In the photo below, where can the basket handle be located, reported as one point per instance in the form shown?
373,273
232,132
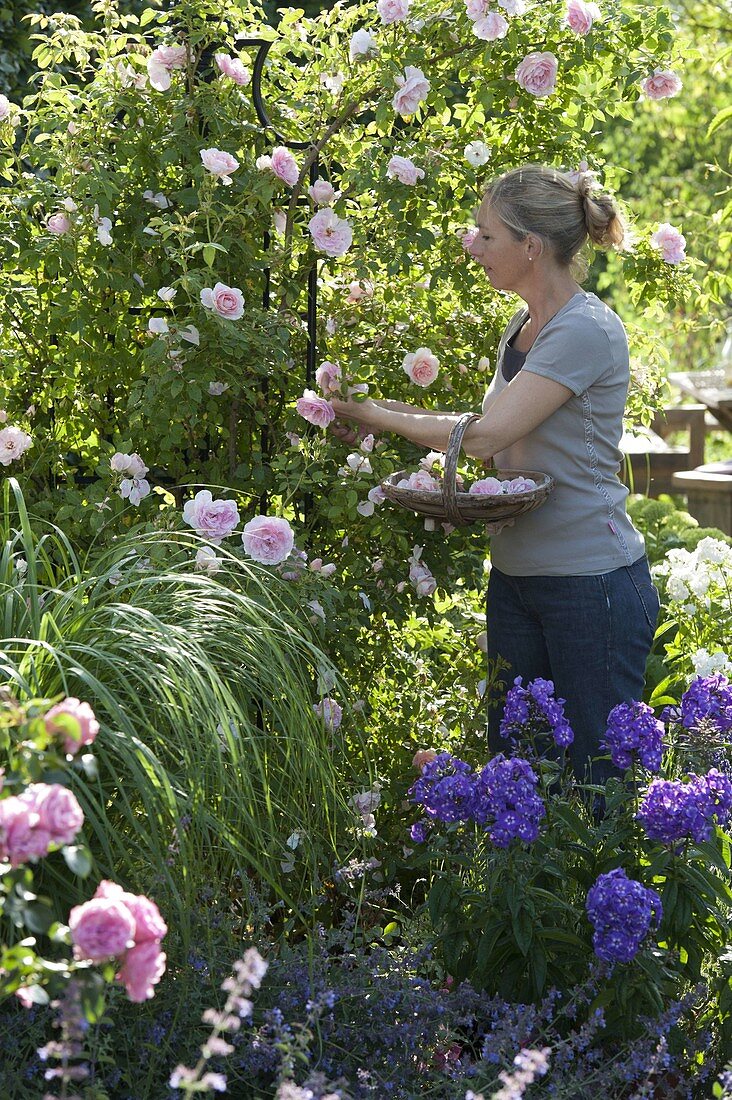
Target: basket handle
449,485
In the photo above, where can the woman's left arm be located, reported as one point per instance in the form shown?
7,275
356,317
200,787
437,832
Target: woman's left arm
524,404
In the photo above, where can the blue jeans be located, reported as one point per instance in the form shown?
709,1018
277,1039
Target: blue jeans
590,635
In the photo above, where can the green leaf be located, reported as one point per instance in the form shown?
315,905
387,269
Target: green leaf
719,119
92,998
78,859
523,930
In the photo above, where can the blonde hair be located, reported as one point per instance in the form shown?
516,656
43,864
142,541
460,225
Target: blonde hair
561,210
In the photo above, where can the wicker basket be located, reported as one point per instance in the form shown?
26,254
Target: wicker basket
461,509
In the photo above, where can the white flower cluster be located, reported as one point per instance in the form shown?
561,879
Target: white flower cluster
692,575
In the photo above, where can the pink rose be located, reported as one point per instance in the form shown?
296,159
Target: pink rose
422,757
376,495
219,164
315,409
580,16
161,63
404,170
227,301
420,479
60,814
22,834
519,485
358,289
422,580
330,711
82,719
285,166
512,7
129,465
412,89
328,377
421,366
268,539
663,84
491,27
149,924
331,234
58,224
142,967
537,73
468,238
393,11
322,193
476,9
212,519
489,486
233,67
101,929
13,444
670,242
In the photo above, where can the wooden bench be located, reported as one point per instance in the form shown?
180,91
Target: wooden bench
651,463
708,492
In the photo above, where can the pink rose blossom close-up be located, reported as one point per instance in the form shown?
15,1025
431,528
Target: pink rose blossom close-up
234,68
268,539
331,234
58,224
322,193
219,164
226,301
161,63
670,242
330,711
404,170
328,377
421,366
211,519
393,11
580,16
663,84
422,580
58,808
315,409
490,27
412,89
134,489
487,486
79,712
513,7
13,444
362,43
519,485
537,73
101,929
129,465
476,9
149,924
468,237
285,166
142,967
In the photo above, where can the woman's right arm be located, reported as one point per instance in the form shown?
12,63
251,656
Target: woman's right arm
401,406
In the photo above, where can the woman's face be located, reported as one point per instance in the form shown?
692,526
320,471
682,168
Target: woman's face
504,259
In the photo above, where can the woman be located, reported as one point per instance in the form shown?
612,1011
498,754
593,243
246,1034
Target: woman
570,596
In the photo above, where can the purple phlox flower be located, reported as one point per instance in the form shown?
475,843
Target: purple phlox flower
621,912
634,731
505,801
708,698
534,709
672,810
420,831
445,789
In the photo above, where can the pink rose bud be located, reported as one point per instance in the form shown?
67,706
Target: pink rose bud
316,565
537,73
268,539
285,166
468,237
328,377
58,224
315,409
78,726
322,193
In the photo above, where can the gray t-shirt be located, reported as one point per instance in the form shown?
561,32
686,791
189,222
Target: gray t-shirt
582,529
